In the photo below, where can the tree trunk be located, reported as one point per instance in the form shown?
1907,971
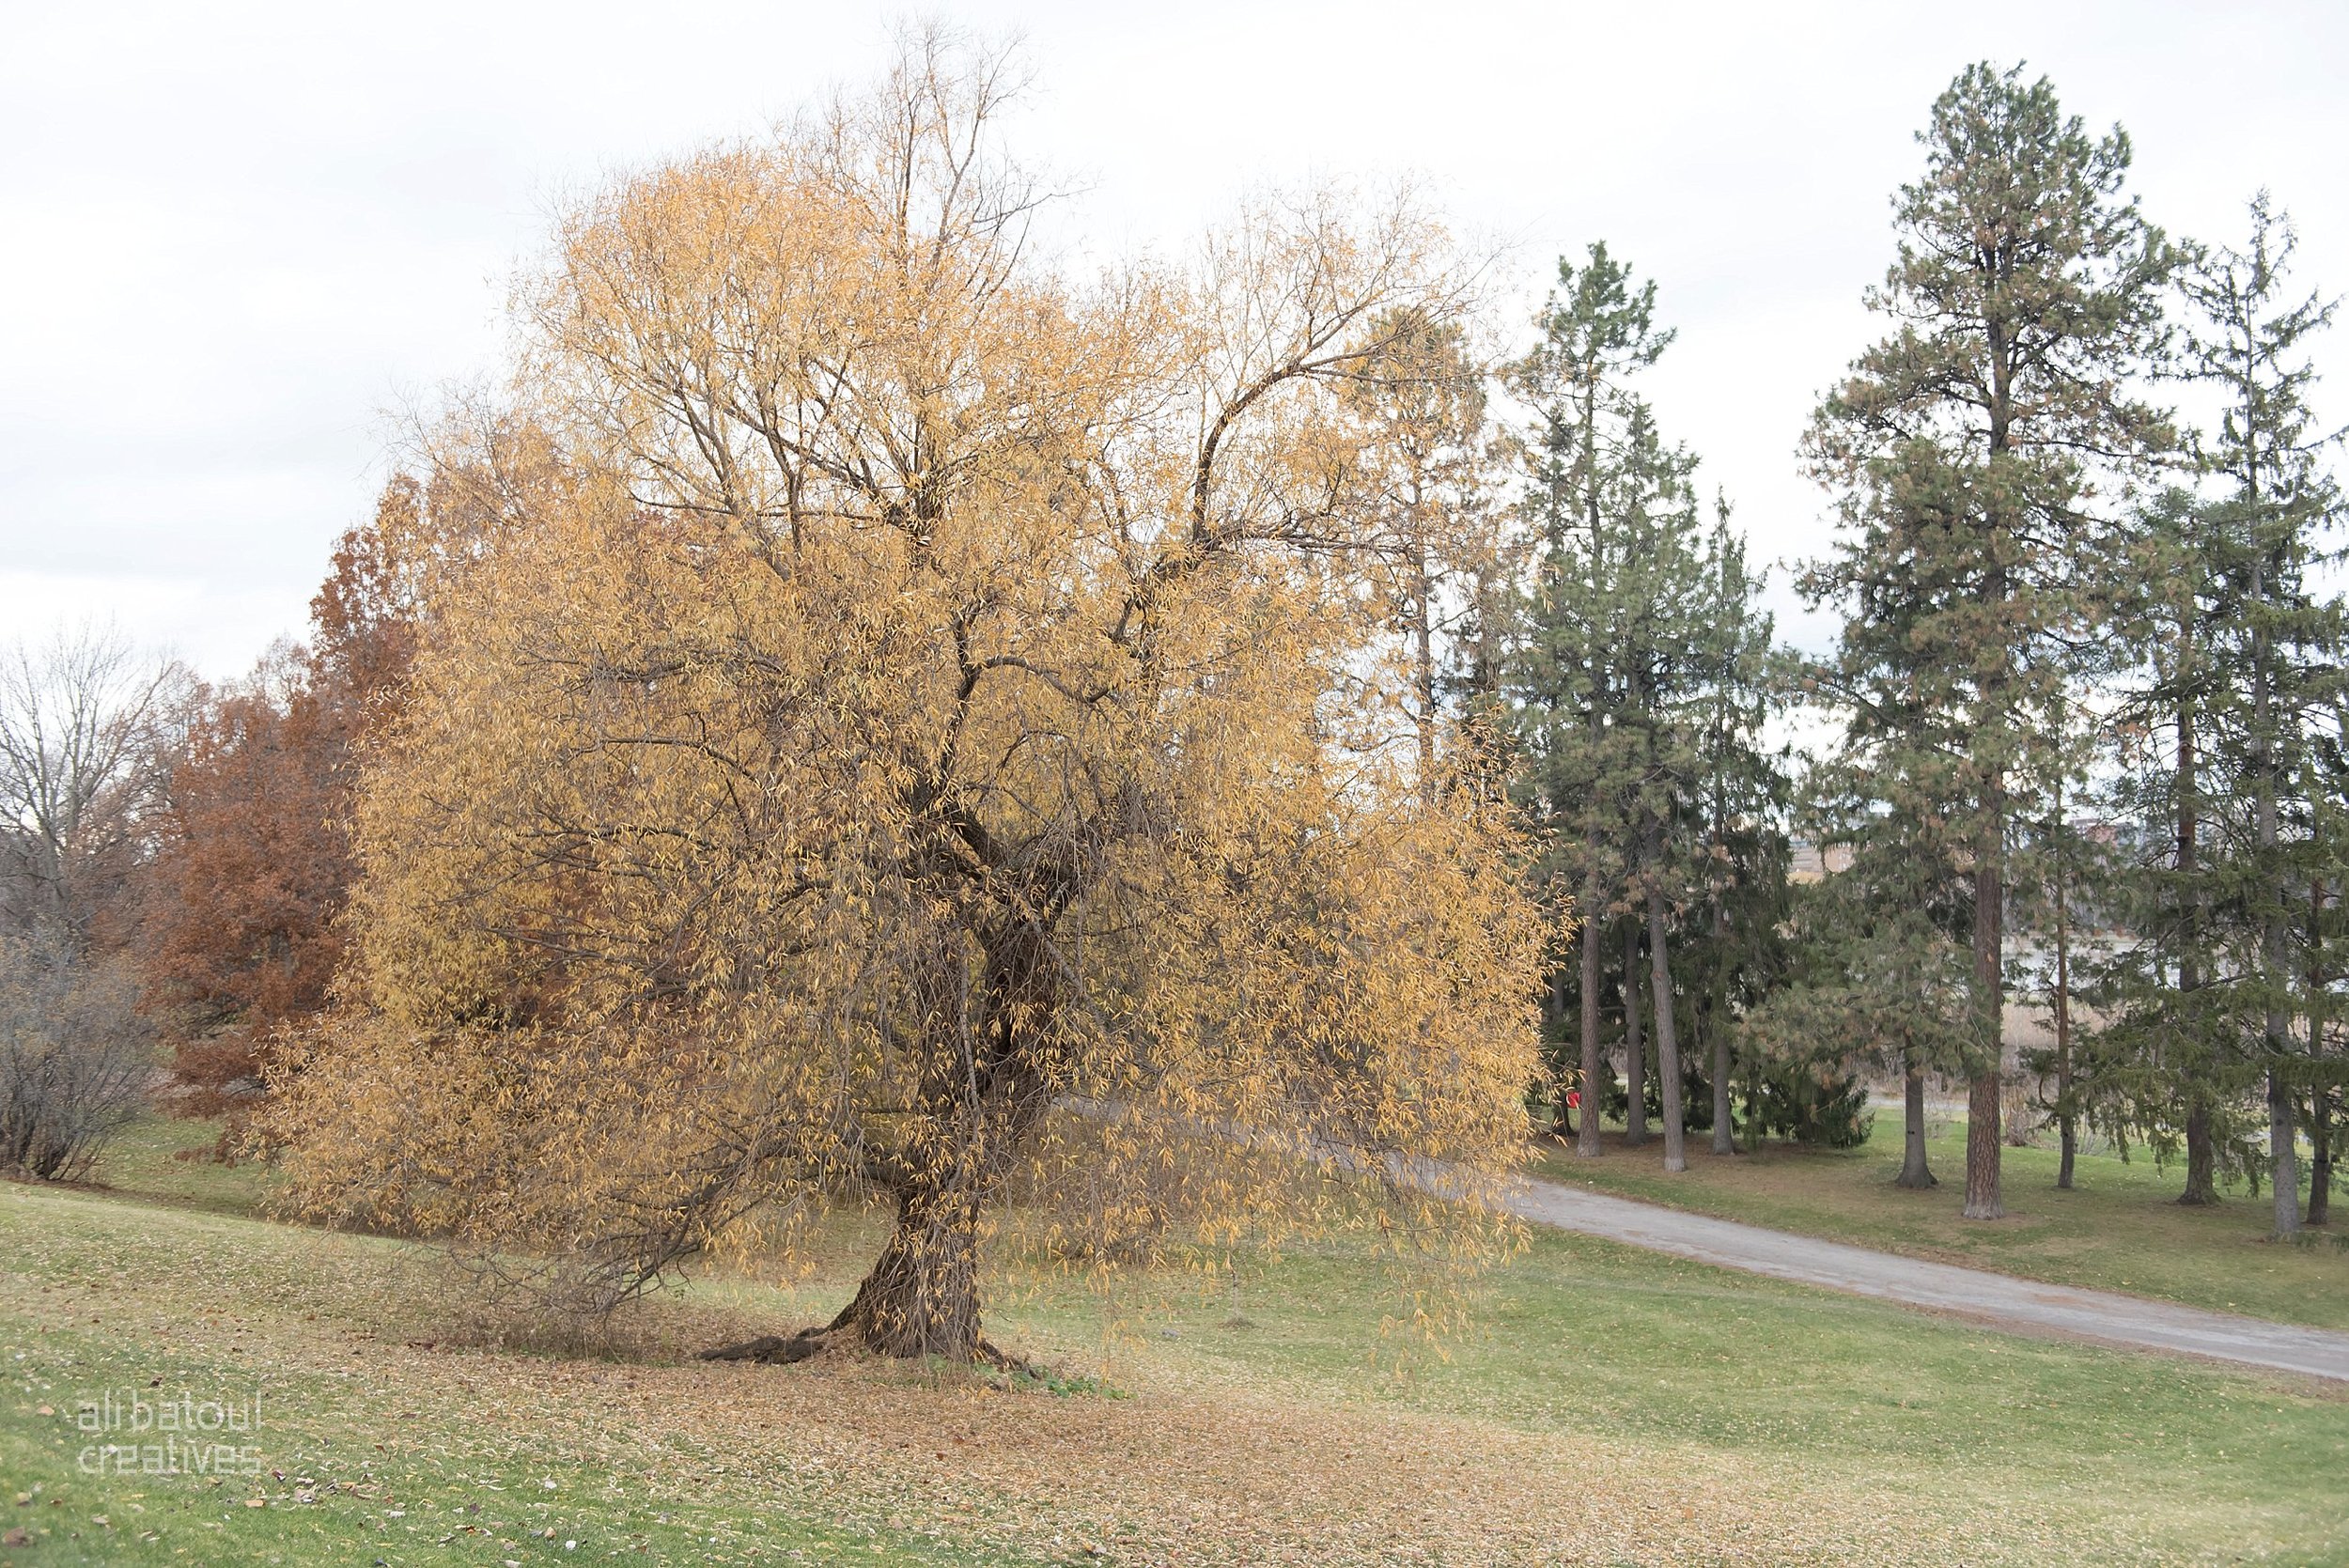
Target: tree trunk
1717,1020
2320,1090
2067,1120
2283,1151
1634,1049
1562,1117
1981,1096
2202,1153
922,1296
982,1097
2202,1157
2283,1155
1915,1171
2321,1163
1669,1084
1753,1102
1587,1143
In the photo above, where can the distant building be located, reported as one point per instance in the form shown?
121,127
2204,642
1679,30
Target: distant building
1808,862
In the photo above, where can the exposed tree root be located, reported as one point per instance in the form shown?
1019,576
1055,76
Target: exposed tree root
783,1350
1001,1359
771,1349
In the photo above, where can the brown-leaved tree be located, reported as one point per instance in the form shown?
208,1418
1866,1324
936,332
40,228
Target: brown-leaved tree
933,728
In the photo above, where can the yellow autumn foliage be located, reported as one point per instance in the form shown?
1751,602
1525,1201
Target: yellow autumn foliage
935,733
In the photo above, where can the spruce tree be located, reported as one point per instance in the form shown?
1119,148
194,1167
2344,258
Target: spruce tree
2170,1063
1973,452
1606,657
2277,644
1733,949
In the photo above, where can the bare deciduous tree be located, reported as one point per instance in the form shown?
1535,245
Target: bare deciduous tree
84,722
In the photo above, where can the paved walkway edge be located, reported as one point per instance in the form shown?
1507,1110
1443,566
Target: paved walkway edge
2000,1299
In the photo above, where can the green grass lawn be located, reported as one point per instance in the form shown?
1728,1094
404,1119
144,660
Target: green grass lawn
1608,1406
2118,1229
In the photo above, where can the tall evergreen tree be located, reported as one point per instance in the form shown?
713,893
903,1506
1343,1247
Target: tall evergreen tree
1970,450
1607,661
1737,807
2278,646
2170,1062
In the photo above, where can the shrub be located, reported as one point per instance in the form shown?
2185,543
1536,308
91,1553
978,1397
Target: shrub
74,1057
1827,1111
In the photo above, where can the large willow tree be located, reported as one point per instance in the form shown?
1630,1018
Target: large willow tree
928,729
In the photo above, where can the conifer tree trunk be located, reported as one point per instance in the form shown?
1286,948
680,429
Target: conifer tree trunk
2320,1162
1981,1096
1725,1137
1562,1117
1587,1143
2067,1120
2202,1157
2202,1162
1753,1102
2283,1151
1914,1171
1669,1084
2320,1093
1634,1048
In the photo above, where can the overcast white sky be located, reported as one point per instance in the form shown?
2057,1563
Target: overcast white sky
234,236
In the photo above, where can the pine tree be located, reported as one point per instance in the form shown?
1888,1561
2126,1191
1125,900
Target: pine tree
1970,450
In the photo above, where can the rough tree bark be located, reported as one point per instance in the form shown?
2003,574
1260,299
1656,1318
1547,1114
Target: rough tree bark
981,1098
2284,1153
2320,1093
1982,1095
1915,1171
1717,1021
1587,1143
2201,1162
1669,1084
2067,1121
2320,1162
1634,1049
1561,1116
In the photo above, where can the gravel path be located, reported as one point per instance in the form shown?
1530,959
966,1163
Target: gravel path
2000,1299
